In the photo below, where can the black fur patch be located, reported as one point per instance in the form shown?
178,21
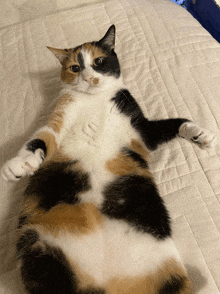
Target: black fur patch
37,144
159,131
47,271
22,221
76,48
91,291
57,183
110,66
136,157
81,61
29,238
174,286
153,133
128,105
136,200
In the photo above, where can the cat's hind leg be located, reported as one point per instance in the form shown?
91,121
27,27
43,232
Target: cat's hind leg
44,269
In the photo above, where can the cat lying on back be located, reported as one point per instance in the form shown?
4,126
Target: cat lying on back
93,220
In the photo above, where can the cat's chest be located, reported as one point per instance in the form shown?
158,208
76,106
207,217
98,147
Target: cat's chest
91,121
98,128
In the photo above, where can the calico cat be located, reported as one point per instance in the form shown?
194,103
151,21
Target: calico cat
93,220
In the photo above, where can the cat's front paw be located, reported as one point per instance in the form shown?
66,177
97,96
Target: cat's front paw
18,167
204,138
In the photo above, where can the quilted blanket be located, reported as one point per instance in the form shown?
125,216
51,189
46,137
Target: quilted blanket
170,64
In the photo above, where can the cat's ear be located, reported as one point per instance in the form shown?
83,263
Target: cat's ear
109,38
61,54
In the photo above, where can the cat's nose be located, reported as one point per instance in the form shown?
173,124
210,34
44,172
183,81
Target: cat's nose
91,80
88,79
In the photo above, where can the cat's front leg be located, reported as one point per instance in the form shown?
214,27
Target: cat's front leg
44,142
158,132
18,167
202,137
31,155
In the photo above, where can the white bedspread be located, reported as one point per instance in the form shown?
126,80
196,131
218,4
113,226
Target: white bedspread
172,67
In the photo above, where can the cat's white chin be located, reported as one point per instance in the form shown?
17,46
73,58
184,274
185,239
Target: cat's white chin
88,89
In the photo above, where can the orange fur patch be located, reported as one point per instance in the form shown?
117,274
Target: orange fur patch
95,51
61,54
152,283
123,164
67,76
30,207
77,219
56,119
60,156
138,148
130,285
50,142
172,268
95,81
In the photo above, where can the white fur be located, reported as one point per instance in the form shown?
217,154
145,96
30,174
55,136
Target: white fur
114,250
19,167
202,137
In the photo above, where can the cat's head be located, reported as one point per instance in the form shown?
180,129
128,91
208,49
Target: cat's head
91,67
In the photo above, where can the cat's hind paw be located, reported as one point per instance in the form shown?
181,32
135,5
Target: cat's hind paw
18,167
203,138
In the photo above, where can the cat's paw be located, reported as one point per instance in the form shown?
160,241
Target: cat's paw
204,138
18,167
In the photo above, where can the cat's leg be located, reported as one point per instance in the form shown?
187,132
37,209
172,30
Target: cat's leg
43,144
157,132
31,155
44,268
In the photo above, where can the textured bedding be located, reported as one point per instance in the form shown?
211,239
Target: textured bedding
170,64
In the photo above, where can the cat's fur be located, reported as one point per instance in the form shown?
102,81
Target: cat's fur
93,220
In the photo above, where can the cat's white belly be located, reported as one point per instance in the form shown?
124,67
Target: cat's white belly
114,250
98,135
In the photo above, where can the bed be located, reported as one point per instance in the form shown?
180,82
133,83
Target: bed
170,63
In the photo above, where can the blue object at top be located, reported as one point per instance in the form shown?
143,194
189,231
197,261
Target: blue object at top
207,12
180,2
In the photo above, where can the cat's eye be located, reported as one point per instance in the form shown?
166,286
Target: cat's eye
75,68
98,61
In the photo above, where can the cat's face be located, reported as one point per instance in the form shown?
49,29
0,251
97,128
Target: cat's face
91,67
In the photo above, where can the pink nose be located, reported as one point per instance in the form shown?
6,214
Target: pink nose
87,79
91,80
